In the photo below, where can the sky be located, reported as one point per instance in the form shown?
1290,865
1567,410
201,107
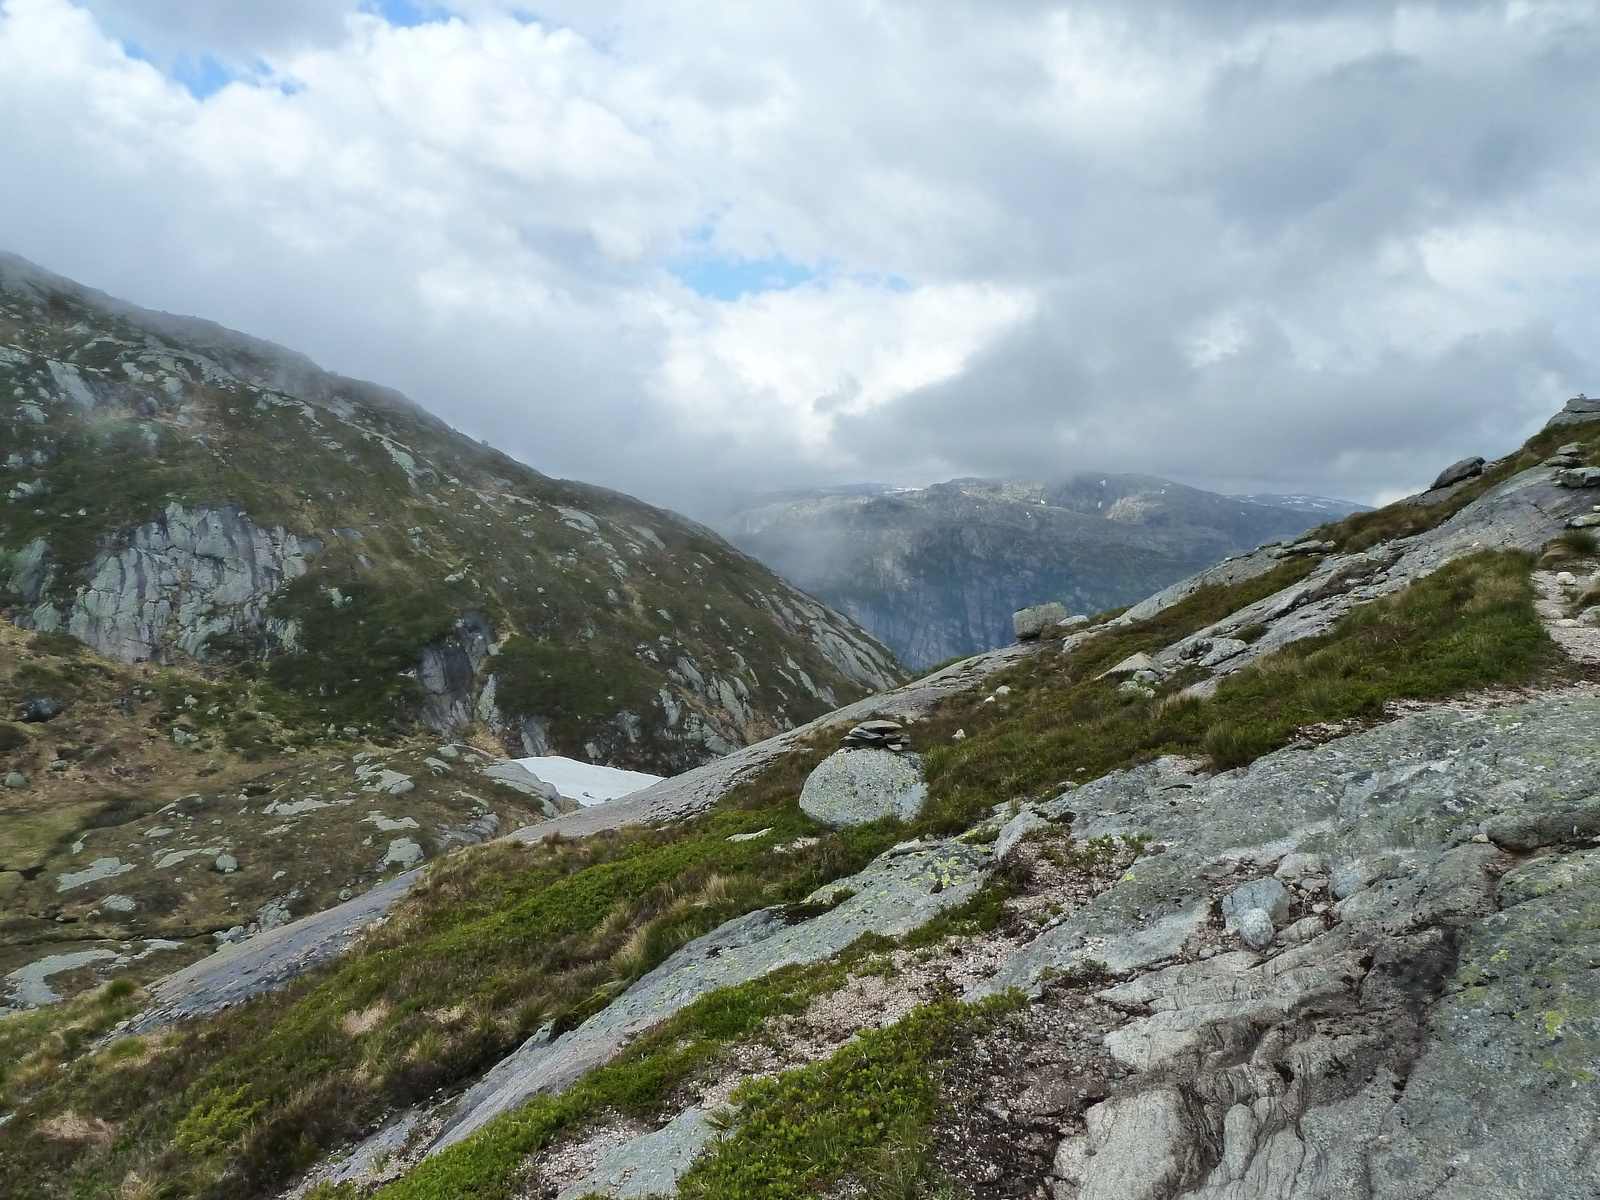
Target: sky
688,247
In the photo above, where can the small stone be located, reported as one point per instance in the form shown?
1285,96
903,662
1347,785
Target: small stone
36,709
58,764
958,735
345,893
211,768
226,864
1255,928
16,779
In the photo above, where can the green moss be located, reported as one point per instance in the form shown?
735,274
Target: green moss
860,1113
503,939
1467,626
578,690
355,659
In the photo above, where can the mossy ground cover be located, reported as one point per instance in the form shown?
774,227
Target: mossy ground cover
494,944
1470,625
1360,530
637,1083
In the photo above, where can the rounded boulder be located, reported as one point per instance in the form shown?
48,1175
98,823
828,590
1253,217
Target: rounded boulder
854,787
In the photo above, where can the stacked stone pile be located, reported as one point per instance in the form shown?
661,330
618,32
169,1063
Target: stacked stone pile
876,735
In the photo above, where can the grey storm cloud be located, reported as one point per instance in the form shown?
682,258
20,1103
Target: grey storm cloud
675,247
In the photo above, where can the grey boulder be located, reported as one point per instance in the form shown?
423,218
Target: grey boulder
854,787
36,709
1029,623
1579,477
1268,895
1457,471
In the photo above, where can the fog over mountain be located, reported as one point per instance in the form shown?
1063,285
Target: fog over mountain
936,572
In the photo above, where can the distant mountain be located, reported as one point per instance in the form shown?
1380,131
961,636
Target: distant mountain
1323,506
936,572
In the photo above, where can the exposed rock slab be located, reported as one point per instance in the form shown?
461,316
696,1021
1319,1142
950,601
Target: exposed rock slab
1431,1033
268,960
188,575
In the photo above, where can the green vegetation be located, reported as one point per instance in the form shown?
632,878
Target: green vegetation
1363,529
578,690
486,1165
34,1045
1470,625
492,944
356,651
860,1113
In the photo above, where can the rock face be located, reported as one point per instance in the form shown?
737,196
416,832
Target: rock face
1425,1035
937,572
853,787
176,581
1579,409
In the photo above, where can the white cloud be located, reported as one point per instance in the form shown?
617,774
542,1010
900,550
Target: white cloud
786,366
1320,246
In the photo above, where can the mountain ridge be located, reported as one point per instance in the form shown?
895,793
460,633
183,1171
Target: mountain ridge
936,572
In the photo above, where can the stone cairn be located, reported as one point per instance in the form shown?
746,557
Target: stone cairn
875,735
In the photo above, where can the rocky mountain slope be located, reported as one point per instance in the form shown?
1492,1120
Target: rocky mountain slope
179,493
935,573
266,629
1284,882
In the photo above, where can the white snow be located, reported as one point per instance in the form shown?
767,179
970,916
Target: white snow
585,782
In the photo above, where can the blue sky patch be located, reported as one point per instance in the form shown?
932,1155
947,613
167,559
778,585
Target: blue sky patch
730,278
201,74
406,13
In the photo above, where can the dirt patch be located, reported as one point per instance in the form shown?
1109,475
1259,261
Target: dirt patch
1016,1089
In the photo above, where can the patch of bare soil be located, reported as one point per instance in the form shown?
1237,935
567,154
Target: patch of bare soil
1019,1087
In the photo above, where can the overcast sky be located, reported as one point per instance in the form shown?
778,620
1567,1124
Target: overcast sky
678,245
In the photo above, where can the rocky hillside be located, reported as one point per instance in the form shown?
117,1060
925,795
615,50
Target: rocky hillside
1283,882
180,494
935,573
